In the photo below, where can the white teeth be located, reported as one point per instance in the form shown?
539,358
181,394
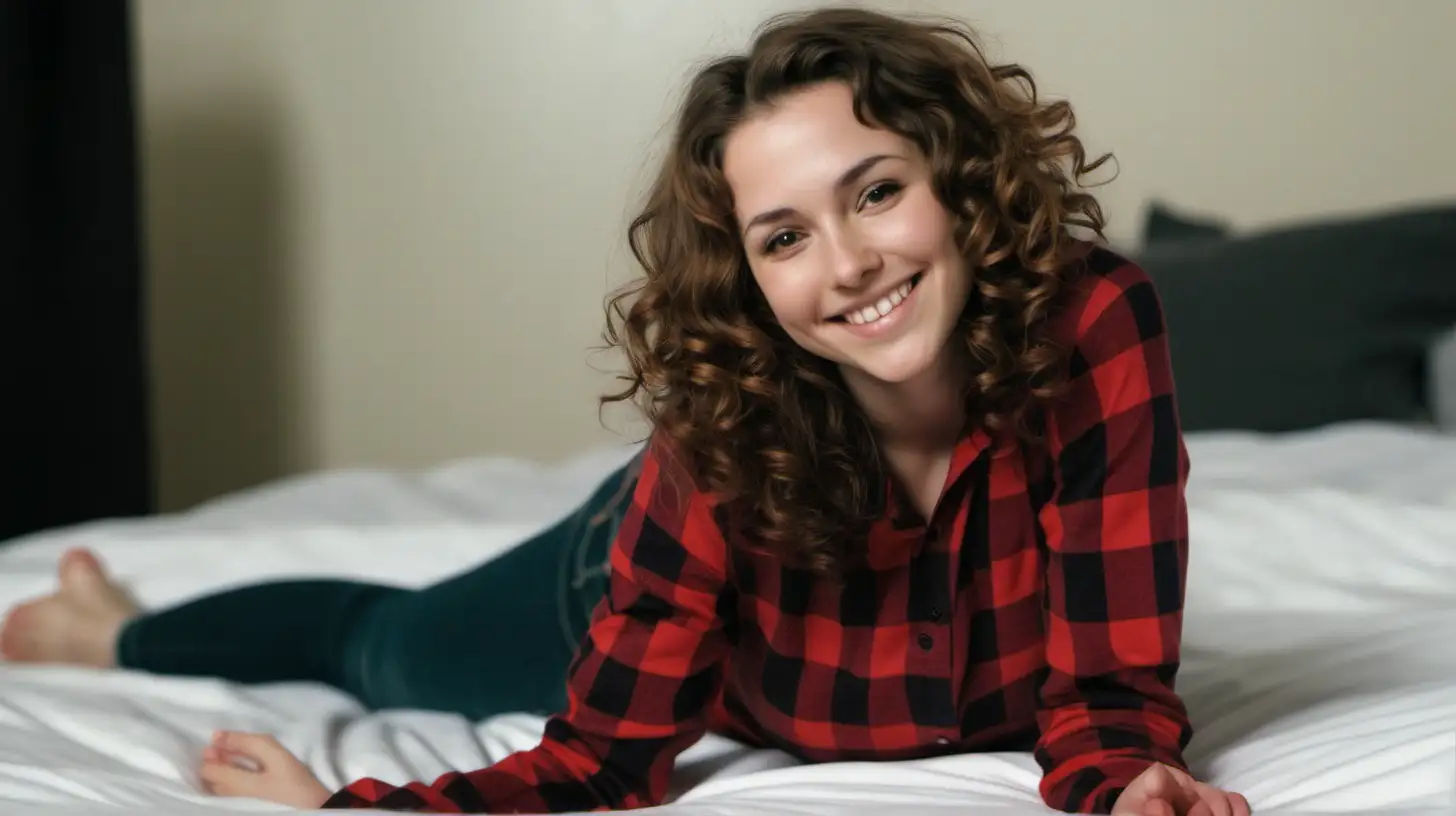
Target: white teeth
884,306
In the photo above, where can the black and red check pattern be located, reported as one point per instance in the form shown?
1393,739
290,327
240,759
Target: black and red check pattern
1039,609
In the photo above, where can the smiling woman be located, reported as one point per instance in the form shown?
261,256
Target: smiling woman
915,484
829,263
811,180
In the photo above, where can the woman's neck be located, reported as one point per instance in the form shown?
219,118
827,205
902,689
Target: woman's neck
925,414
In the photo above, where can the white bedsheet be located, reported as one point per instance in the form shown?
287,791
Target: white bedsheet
1320,669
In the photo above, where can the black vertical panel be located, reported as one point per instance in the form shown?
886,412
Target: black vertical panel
74,436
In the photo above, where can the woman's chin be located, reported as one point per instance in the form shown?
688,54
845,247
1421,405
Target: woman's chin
893,368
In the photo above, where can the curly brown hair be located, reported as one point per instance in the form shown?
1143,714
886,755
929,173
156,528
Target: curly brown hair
769,428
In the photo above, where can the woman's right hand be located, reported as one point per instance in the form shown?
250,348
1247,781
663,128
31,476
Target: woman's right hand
256,766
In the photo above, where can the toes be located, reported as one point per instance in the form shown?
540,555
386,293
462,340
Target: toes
79,565
13,640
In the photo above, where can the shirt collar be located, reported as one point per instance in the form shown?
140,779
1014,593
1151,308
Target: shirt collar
900,535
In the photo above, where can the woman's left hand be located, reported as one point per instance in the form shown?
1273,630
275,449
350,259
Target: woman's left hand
257,766
1165,791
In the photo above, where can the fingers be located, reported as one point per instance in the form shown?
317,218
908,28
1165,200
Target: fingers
1158,807
1202,808
257,766
1177,790
1216,802
1161,790
221,778
262,747
1160,781
234,763
1148,794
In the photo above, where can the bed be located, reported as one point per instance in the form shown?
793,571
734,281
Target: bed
1319,669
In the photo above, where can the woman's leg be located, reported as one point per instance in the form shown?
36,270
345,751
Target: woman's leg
496,638
262,633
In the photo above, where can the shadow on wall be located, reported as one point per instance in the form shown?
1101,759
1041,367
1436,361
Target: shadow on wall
224,372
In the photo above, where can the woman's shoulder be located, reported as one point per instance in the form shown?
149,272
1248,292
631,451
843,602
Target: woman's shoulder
670,468
1110,304
673,502
1118,367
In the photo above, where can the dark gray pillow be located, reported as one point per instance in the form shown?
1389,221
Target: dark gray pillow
1164,225
1304,326
1442,386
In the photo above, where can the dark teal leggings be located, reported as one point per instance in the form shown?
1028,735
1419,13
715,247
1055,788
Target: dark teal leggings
492,640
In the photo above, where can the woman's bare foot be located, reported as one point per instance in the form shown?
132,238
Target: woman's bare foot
79,624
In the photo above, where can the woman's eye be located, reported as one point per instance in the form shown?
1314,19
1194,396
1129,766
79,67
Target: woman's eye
782,240
881,192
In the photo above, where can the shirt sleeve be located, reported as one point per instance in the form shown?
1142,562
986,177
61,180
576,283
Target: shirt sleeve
1116,527
639,688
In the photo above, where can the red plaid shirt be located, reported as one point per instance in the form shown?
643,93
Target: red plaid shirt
1039,609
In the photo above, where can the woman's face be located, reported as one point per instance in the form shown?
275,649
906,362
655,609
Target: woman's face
845,236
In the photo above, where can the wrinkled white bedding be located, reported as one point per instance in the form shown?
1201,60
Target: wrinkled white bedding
1320,668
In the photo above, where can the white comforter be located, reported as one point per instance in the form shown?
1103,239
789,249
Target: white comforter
1320,669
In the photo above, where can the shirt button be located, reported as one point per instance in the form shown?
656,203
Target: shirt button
926,641
935,613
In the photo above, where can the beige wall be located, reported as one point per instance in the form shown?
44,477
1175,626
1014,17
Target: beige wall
380,231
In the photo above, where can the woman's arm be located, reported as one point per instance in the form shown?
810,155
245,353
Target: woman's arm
639,687
1116,531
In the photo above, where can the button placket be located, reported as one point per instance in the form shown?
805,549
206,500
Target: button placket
931,652
933,611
